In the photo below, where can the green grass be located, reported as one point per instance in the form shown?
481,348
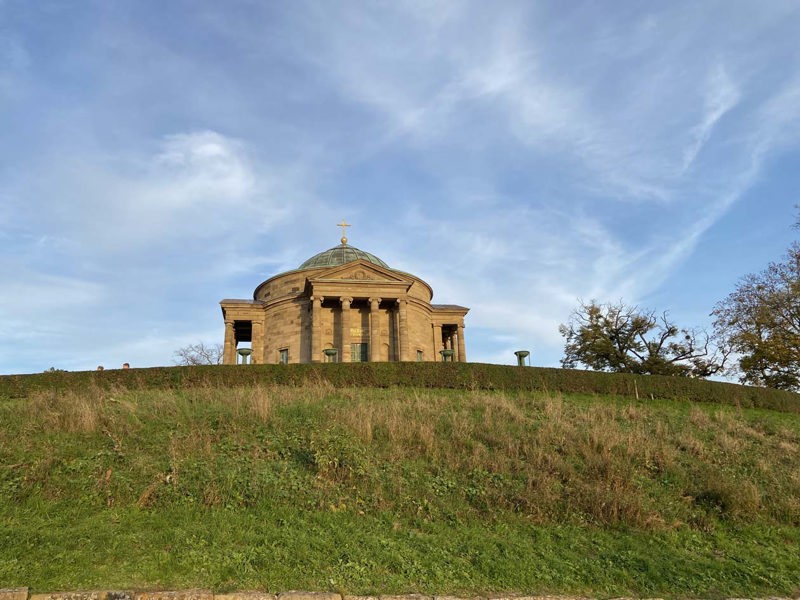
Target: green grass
465,376
366,490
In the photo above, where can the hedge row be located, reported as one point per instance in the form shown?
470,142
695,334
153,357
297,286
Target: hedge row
426,375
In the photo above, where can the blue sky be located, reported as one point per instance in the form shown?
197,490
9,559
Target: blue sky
156,157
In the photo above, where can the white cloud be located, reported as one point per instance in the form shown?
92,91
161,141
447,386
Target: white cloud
515,156
720,97
195,186
200,168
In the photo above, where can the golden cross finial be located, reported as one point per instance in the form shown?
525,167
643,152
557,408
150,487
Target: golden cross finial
343,225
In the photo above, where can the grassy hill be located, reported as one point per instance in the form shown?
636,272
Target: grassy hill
448,479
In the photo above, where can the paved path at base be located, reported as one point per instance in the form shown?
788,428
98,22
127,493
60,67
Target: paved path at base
23,594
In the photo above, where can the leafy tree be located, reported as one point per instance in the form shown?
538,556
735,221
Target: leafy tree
624,339
760,320
199,354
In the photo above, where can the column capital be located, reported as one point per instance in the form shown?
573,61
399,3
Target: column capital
346,300
375,300
319,299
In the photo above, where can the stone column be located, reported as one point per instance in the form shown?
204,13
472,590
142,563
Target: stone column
462,351
229,349
344,351
402,331
257,357
374,330
437,342
316,328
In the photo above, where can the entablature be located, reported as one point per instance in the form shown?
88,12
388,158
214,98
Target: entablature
448,314
242,309
358,291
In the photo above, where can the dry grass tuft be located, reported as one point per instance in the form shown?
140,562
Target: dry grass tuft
545,456
730,444
687,442
66,412
699,417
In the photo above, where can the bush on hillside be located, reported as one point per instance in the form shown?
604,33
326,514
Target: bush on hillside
422,375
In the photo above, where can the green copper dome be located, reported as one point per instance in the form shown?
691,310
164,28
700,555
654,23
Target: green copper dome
340,255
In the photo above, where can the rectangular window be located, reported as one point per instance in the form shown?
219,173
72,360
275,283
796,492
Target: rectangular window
283,356
358,353
420,355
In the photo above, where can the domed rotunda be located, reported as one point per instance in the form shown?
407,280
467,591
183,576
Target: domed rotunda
342,305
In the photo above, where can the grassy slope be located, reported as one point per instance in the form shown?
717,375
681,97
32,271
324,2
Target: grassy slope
365,490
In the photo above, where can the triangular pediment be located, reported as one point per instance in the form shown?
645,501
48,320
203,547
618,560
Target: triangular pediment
360,270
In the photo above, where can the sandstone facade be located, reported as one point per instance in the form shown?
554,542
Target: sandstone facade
343,305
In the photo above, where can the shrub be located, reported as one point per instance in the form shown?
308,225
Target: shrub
422,375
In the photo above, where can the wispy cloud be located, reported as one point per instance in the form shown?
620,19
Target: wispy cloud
194,186
517,156
720,97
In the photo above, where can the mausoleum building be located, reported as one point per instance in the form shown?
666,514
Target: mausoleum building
343,305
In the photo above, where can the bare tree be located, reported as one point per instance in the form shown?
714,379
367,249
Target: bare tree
624,339
199,354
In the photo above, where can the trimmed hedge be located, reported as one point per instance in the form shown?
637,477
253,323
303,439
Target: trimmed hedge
425,375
